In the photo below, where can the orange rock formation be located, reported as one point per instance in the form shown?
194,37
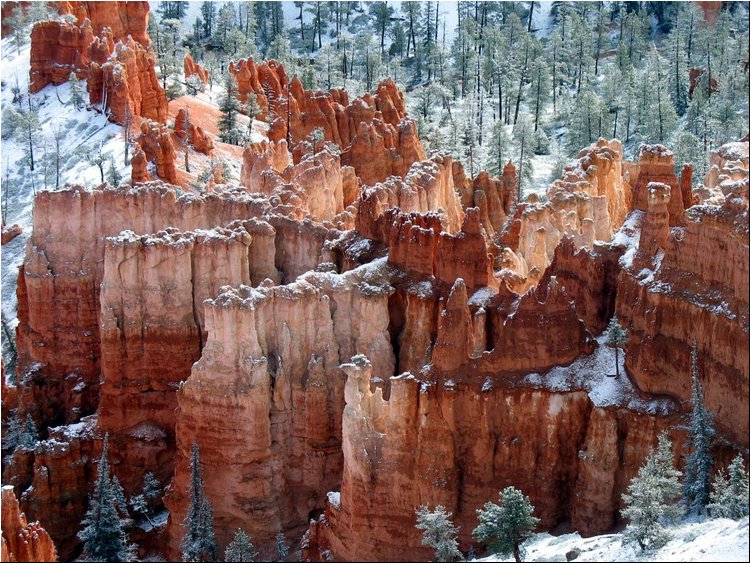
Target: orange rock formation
23,541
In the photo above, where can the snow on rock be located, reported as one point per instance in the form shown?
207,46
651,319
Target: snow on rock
593,373
710,540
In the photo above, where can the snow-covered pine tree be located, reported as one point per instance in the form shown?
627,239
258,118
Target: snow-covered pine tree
113,175
438,532
652,497
616,336
199,543
504,527
241,548
282,547
230,107
103,533
76,92
697,483
729,498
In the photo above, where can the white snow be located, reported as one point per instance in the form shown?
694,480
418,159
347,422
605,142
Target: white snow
591,373
334,499
710,540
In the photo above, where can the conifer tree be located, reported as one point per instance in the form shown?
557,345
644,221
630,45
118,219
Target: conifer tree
697,484
103,534
505,527
76,92
729,497
652,497
199,543
230,107
616,337
438,532
241,548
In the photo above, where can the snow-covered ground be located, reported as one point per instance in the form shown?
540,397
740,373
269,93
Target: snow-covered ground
711,540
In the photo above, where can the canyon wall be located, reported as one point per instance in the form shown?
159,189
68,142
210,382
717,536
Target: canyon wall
690,283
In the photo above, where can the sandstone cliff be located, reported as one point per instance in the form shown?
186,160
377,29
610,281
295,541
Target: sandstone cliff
23,541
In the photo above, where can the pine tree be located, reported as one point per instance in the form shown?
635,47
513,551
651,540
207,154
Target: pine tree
76,92
652,497
438,532
499,149
505,527
103,534
241,548
616,337
729,498
229,108
199,543
113,175
282,547
697,484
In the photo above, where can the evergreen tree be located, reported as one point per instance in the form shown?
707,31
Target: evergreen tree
208,13
523,139
616,337
697,484
241,548
282,547
729,498
76,92
113,176
18,23
103,533
199,543
498,152
230,107
505,527
652,498
438,532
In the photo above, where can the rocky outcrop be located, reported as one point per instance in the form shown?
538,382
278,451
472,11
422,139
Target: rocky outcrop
270,364
189,133
23,541
57,49
126,83
656,164
191,68
10,232
122,18
155,141
494,197
588,204
427,187
691,283
374,132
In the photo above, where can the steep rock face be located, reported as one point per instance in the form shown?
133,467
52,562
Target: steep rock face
192,68
156,142
186,131
126,83
57,49
23,541
152,330
689,283
458,445
258,159
270,365
122,18
58,291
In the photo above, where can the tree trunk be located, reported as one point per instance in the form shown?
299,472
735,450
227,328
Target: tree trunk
531,14
517,552
617,362
520,83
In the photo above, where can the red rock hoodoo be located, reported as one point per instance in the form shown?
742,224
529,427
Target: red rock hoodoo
23,541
